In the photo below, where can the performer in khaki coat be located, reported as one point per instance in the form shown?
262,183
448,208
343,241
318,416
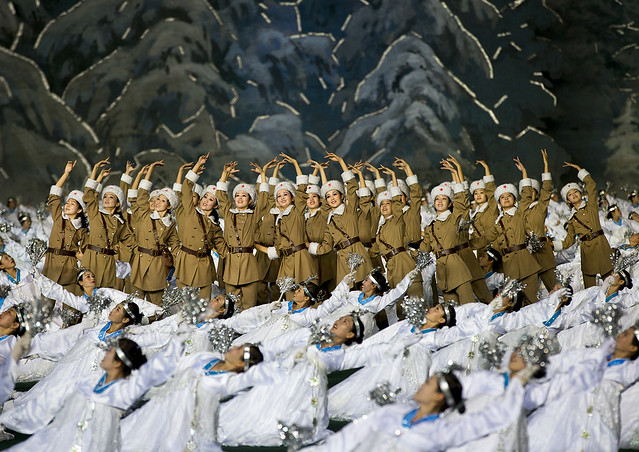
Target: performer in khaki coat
411,211
69,229
486,210
584,222
342,224
107,230
509,236
198,234
156,237
290,234
535,218
240,223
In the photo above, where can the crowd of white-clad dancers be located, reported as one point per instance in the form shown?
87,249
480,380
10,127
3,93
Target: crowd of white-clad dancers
471,316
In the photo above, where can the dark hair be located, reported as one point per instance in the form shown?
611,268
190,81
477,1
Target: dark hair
358,327
23,216
20,314
314,292
627,280
518,301
255,355
495,256
452,318
455,388
80,274
229,304
382,285
611,209
135,310
133,353
635,342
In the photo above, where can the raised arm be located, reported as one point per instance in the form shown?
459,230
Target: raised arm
65,175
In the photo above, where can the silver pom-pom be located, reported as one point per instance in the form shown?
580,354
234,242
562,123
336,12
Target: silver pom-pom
564,279
5,289
623,261
414,309
171,297
353,261
535,349
221,337
41,211
533,244
293,436
36,249
35,315
423,260
383,394
70,317
492,353
464,225
285,283
98,302
320,333
5,227
608,317
3,210
194,308
511,287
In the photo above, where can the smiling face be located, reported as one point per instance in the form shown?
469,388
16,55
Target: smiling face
343,329
242,200
506,200
334,199
479,195
441,203
72,207
162,204
284,198
313,201
574,197
386,208
208,202
368,286
109,362
110,201
152,200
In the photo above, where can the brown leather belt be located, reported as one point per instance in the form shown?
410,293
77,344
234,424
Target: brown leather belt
61,252
415,245
592,235
512,249
452,250
394,252
154,253
346,243
294,249
241,249
97,249
369,244
200,254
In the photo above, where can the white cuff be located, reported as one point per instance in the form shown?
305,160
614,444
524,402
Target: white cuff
272,253
301,179
347,175
192,176
126,179
546,176
556,244
363,192
99,188
273,181
313,180
395,191
132,194
526,182
312,248
222,186
489,178
264,187
458,188
582,174
56,191
92,184
177,188
466,185
145,185
411,180
380,183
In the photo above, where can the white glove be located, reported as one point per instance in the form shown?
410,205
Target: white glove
22,346
412,339
497,303
275,305
526,374
349,279
413,273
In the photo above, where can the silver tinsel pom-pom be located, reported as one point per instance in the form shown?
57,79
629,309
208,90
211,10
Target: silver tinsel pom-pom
533,244
5,289
36,249
492,353
70,317
511,287
464,225
423,260
623,261
415,310
41,211
383,394
5,227
285,283
608,317
221,337
194,309
293,436
171,297
35,315
535,349
320,333
353,261
98,302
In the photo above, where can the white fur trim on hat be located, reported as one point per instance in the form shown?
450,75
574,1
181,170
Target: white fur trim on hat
198,189
285,186
568,187
477,184
403,187
117,191
370,185
441,190
154,193
77,195
248,188
383,196
332,185
313,189
170,195
529,183
208,189
505,188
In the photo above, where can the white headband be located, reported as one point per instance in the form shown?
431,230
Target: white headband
118,351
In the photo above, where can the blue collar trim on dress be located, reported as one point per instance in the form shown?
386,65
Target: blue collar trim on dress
102,336
616,362
362,300
101,387
407,423
489,274
499,314
208,366
328,349
17,280
290,306
610,297
552,319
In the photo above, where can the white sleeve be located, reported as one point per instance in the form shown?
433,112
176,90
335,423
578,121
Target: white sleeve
272,348
391,296
55,291
8,371
249,319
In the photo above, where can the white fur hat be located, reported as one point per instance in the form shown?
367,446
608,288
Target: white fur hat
442,189
568,187
208,189
313,189
370,185
117,191
332,185
284,186
506,188
403,187
383,196
77,195
248,188
197,188
477,184
534,183
154,193
170,195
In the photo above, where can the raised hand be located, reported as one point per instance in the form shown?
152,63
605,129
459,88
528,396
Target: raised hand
572,165
200,163
69,166
373,170
544,156
520,167
130,167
